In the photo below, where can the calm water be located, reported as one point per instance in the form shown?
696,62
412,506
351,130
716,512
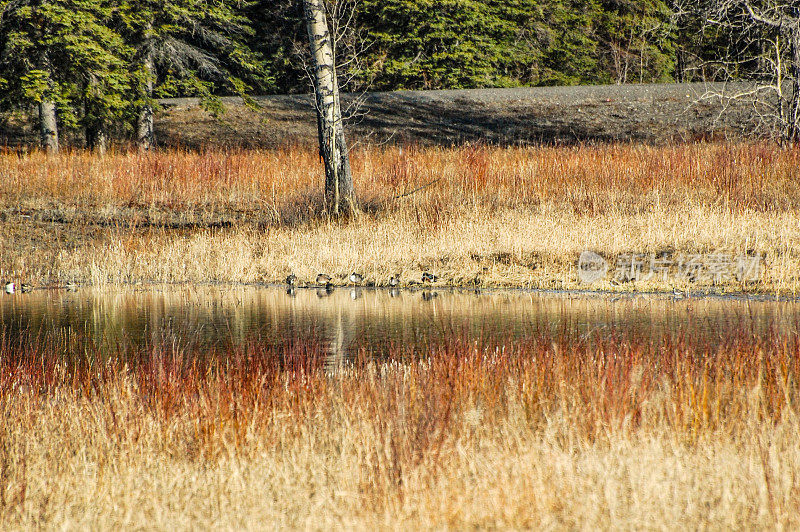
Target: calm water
346,320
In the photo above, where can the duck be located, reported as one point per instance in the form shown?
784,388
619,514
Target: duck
356,278
394,280
323,279
291,279
678,294
25,288
429,277
10,287
71,286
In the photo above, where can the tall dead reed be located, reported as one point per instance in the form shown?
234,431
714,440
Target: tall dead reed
588,179
97,435
479,215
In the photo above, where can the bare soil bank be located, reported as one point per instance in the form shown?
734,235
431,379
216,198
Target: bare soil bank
653,113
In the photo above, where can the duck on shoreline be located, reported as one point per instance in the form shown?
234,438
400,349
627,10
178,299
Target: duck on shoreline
678,294
429,277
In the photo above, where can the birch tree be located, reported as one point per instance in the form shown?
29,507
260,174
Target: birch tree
782,20
763,47
339,193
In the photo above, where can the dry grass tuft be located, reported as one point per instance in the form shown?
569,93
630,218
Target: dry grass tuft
556,430
477,215
589,179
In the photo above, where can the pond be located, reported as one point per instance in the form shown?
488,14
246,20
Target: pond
347,321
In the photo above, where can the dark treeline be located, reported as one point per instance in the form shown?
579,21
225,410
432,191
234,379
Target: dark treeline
98,66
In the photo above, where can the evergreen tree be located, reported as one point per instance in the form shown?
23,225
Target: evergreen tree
95,64
186,48
61,56
637,40
570,56
425,44
280,37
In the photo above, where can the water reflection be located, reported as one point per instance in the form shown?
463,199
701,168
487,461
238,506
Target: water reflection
345,320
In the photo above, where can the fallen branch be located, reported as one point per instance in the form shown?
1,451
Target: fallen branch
417,189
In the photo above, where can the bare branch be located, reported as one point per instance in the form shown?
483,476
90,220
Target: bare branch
758,17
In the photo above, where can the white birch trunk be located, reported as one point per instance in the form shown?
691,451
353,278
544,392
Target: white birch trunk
339,194
48,126
794,74
145,128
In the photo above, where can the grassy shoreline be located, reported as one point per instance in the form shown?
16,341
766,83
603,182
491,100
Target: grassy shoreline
489,217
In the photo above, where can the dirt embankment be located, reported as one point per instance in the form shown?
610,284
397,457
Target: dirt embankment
653,113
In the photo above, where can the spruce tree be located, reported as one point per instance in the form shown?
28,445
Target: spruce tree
425,44
637,41
280,38
570,53
186,48
62,57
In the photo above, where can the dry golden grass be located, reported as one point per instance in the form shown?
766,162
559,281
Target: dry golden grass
549,431
588,179
486,216
558,430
